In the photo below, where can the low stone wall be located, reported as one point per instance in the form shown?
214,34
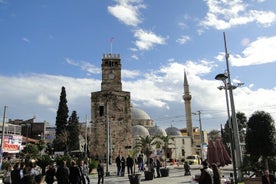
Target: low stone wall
257,180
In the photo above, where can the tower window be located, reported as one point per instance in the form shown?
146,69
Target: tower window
183,152
101,110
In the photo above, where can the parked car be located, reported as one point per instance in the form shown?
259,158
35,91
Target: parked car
193,159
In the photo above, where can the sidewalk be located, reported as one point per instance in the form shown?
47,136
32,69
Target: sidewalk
176,176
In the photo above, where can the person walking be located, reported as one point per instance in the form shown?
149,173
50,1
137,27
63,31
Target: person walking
85,171
39,179
7,175
140,162
119,165
158,165
75,176
15,173
187,169
129,162
123,165
216,176
206,176
50,174
63,173
268,178
100,170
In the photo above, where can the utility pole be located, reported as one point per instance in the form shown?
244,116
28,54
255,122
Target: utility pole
201,132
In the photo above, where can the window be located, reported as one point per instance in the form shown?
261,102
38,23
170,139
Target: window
101,110
183,152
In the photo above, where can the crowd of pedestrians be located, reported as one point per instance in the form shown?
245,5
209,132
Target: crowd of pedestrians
75,173
154,165
22,173
30,173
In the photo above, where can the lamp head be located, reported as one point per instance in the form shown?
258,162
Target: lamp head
221,76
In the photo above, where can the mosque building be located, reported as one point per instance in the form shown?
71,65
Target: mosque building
116,124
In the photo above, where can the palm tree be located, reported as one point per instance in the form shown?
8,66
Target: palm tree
145,144
166,142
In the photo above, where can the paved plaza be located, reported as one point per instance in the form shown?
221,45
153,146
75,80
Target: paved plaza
176,176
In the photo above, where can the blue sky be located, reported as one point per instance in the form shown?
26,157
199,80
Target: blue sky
49,44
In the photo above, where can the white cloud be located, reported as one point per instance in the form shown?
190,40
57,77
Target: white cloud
226,14
127,11
85,66
147,39
37,94
26,40
183,39
245,41
135,57
130,73
258,52
158,91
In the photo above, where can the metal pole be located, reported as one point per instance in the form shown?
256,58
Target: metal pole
234,119
3,135
108,137
231,134
86,146
201,134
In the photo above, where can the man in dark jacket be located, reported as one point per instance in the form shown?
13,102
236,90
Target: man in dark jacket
206,176
15,173
62,174
268,178
129,163
119,165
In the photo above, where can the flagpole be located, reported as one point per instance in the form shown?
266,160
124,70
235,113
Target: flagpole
111,40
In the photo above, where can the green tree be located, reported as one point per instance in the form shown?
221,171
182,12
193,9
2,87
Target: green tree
43,161
74,132
165,142
146,145
41,145
214,134
260,137
61,119
62,140
241,120
30,150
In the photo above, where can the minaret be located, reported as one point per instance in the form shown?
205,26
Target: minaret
187,98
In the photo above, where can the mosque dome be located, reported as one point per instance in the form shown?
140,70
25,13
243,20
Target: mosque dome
139,114
173,131
139,130
157,131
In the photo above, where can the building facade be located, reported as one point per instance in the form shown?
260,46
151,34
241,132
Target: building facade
111,129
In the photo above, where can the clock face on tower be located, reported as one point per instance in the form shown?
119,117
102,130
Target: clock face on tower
111,76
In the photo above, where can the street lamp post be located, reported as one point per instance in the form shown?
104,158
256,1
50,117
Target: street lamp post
201,132
230,88
223,78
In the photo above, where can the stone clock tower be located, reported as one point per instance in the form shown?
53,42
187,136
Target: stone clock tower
110,113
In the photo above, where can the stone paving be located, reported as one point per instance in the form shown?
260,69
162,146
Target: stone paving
176,176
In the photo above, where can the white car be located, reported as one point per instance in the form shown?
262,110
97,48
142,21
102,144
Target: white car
193,160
